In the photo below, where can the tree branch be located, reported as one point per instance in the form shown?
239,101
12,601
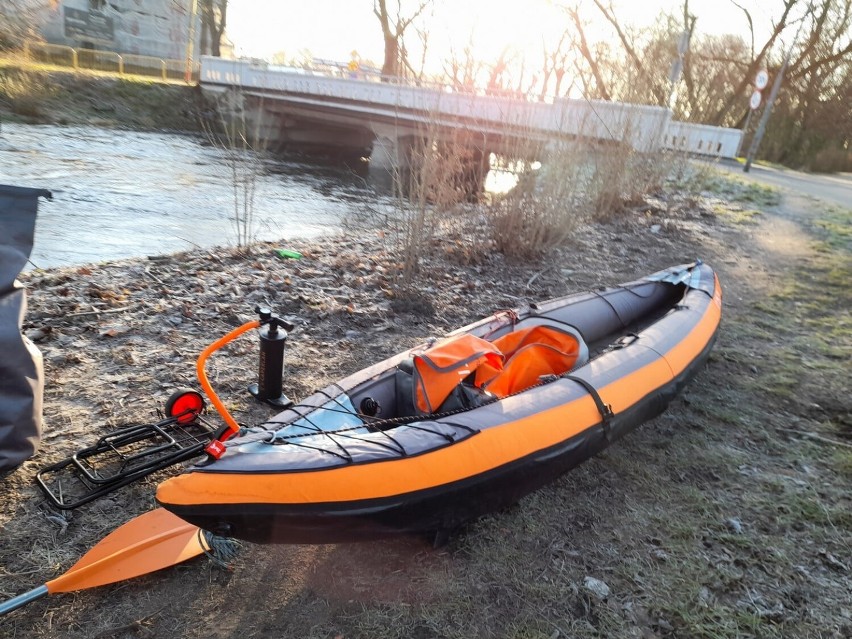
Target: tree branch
609,15
688,27
755,64
588,56
750,23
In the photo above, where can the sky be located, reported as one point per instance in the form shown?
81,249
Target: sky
332,29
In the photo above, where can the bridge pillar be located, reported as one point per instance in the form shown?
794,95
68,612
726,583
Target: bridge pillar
385,154
263,127
390,153
464,159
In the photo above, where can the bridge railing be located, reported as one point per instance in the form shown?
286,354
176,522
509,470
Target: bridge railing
339,70
702,139
109,61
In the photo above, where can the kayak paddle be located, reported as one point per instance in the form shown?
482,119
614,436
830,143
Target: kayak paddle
157,539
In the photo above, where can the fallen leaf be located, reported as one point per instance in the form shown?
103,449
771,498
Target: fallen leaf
113,331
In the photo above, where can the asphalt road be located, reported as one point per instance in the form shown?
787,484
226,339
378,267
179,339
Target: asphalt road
832,188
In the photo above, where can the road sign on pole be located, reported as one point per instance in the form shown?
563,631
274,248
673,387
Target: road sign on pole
755,100
761,79
776,85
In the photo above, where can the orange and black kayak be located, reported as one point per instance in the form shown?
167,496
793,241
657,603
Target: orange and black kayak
458,427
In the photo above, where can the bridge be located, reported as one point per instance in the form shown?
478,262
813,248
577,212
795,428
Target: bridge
382,119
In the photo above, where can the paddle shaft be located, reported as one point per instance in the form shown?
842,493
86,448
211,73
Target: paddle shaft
22,600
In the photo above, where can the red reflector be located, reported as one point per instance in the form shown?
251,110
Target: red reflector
215,449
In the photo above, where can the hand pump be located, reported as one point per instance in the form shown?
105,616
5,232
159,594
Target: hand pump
273,336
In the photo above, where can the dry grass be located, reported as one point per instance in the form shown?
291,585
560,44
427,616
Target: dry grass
24,94
557,186
33,94
547,203
565,183
436,174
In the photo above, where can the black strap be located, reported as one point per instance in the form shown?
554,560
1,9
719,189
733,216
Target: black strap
604,409
601,294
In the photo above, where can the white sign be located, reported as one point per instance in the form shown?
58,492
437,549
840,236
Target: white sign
755,100
761,79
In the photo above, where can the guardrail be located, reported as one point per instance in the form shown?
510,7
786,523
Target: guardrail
109,61
702,139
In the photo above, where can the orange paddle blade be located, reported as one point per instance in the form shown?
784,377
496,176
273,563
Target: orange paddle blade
155,540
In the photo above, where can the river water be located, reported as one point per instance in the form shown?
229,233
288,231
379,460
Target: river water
119,194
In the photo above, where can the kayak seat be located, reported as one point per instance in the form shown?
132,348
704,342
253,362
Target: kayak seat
463,396
440,369
466,371
534,352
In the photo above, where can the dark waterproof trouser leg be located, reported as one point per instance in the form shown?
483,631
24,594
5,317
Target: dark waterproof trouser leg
21,373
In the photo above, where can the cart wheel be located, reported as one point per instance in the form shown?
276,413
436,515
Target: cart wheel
184,405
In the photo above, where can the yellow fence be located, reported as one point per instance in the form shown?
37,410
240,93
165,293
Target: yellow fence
110,62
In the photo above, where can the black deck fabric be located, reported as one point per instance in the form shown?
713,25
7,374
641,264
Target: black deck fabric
21,372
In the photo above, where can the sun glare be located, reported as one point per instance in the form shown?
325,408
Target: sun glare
504,24
517,31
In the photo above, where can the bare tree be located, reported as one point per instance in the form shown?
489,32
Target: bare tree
461,68
754,66
555,64
214,14
750,24
716,68
811,124
582,46
498,76
393,30
423,37
638,61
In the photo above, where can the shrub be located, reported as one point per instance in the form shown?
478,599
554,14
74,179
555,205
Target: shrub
831,160
434,178
545,205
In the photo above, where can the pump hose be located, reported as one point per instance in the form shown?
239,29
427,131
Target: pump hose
233,427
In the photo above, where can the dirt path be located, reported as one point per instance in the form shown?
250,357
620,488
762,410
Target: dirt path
728,516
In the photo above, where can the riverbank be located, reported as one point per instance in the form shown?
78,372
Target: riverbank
727,516
38,96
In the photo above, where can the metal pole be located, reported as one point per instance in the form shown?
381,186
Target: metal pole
776,86
22,600
677,66
745,132
190,41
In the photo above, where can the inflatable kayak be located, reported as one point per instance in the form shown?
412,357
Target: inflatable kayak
458,427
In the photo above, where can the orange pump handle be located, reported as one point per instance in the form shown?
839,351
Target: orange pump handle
233,427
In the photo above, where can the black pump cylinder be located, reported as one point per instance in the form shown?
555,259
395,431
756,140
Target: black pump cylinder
270,369
271,363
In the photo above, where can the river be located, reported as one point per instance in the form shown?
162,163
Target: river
119,194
